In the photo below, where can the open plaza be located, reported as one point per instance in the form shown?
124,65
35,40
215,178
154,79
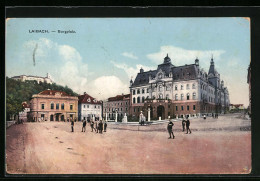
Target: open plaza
215,146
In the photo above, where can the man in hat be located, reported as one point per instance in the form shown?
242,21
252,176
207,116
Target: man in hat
169,127
72,125
105,126
84,125
188,126
183,125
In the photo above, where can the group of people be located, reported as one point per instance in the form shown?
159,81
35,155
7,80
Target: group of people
97,126
184,123
215,115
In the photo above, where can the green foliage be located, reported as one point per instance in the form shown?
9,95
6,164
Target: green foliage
18,92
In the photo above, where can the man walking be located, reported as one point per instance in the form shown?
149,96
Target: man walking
72,125
169,127
188,126
84,125
105,126
183,125
92,125
100,126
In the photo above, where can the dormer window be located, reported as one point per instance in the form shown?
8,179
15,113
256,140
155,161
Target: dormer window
88,100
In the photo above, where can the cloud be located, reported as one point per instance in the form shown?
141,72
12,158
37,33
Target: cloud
132,71
129,55
107,86
63,62
180,56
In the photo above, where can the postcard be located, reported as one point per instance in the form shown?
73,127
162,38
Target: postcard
128,96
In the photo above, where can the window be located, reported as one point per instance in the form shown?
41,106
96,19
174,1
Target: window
138,110
188,96
126,108
168,88
125,103
176,87
167,96
194,107
52,106
160,76
138,99
188,86
71,107
147,90
182,108
42,106
118,104
95,107
160,88
133,92
87,106
109,109
57,106
105,110
176,108
134,109
188,107
142,99
84,106
194,95
193,86
134,100
181,87
142,91
176,97
182,96
153,97
138,91
121,108
62,106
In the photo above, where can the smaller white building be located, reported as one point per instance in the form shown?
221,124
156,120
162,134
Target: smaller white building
89,107
24,114
39,79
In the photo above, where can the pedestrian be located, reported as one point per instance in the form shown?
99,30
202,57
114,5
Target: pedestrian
183,125
92,125
188,126
203,117
105,126
84,126
100,126
169,127
72,125
217,116
96,126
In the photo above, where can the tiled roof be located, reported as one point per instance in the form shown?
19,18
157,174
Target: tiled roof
119,97
52,92
25,105
85,98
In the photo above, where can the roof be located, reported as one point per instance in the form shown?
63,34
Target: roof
53,92
184,72
143,78
25,105
85,98
119,97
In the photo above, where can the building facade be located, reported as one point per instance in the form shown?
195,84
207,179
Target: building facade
39,79
89,107
25,113
116,105
177,91
51,105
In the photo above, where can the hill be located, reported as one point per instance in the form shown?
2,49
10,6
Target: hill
18,92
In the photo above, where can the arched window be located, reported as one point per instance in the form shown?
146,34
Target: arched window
134,100
188,86
194,95
181,87
142,91
167,96
138,91
138,99
133,92
176,97
188,96
176,87
142,99
193,86
182,96
160,88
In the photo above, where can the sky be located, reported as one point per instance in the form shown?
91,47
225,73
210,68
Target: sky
103,54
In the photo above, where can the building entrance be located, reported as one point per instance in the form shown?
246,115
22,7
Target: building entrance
160,112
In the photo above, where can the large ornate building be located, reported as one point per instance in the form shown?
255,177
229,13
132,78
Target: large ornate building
39,79
176,91
89,107
116,105
51,105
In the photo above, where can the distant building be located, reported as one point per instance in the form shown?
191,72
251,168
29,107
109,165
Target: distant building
52,105
25,113
178,91
119,104
236,107
89,107
39,79
249,82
